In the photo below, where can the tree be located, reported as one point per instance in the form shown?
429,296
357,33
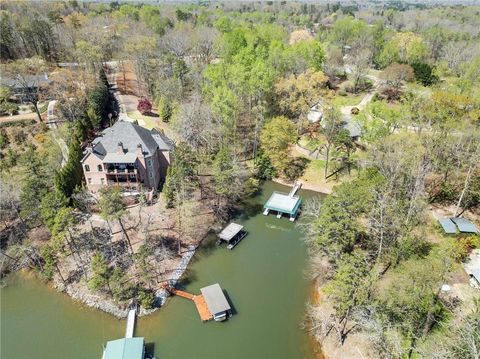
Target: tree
227,177
403,47
396,75
5,105
331,227
113,208
49,206
346,30
100,273
349,290
144,106
330,128
412,297
35,186
276,137
358,65
50,263
424,73
297,94
70,176
165,109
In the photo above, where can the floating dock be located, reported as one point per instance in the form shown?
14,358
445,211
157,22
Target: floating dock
284,203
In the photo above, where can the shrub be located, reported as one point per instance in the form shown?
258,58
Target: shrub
264,168
146,298
144,106
3,139
296,168
252,186
424,73
355,111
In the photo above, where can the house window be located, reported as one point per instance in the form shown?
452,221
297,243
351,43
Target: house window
87,168
151,175
149,162
100,168
102,180
89,180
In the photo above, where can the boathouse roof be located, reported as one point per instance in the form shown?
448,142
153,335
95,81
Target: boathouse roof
230,231
464,225
282,202
215,299
126,348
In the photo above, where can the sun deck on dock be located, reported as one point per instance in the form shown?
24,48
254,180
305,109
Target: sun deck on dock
202,308
199,301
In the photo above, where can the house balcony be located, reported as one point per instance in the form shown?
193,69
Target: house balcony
122,179
130,169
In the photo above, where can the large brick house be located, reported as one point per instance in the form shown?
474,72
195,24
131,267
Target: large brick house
127,155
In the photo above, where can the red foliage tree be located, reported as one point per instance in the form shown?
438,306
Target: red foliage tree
144,106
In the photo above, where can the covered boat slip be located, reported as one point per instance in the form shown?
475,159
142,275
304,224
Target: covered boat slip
216,302
126,348
232,234
283,203
464,225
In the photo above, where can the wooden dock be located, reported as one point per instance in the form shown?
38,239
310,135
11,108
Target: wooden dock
199,301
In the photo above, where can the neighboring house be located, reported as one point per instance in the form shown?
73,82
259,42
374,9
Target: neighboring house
127,155
352,126
21,86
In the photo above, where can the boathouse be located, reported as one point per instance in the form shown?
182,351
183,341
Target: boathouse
126,348
232,234
284,203
216,302
450,225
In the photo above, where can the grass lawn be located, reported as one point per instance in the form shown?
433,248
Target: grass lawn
309,143
349,100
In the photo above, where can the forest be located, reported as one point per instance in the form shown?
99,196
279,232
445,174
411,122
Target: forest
376,105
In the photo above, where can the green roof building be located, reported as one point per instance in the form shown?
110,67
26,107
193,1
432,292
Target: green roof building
126,348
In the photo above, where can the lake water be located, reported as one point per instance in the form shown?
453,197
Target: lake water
263,277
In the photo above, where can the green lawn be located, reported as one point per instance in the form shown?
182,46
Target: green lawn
349,100
309,143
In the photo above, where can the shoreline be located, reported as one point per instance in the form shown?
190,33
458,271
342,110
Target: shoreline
308,186
110,307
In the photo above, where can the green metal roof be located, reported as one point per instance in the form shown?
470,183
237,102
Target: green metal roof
126,348
282,202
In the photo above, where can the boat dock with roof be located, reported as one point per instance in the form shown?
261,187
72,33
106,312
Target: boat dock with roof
232,235
284,203
211,304
129,347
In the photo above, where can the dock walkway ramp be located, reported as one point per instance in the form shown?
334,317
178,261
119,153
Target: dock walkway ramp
130,323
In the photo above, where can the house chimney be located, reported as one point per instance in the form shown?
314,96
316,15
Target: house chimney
120,148
139,150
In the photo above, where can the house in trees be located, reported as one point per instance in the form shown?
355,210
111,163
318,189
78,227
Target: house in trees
24,85
127,155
